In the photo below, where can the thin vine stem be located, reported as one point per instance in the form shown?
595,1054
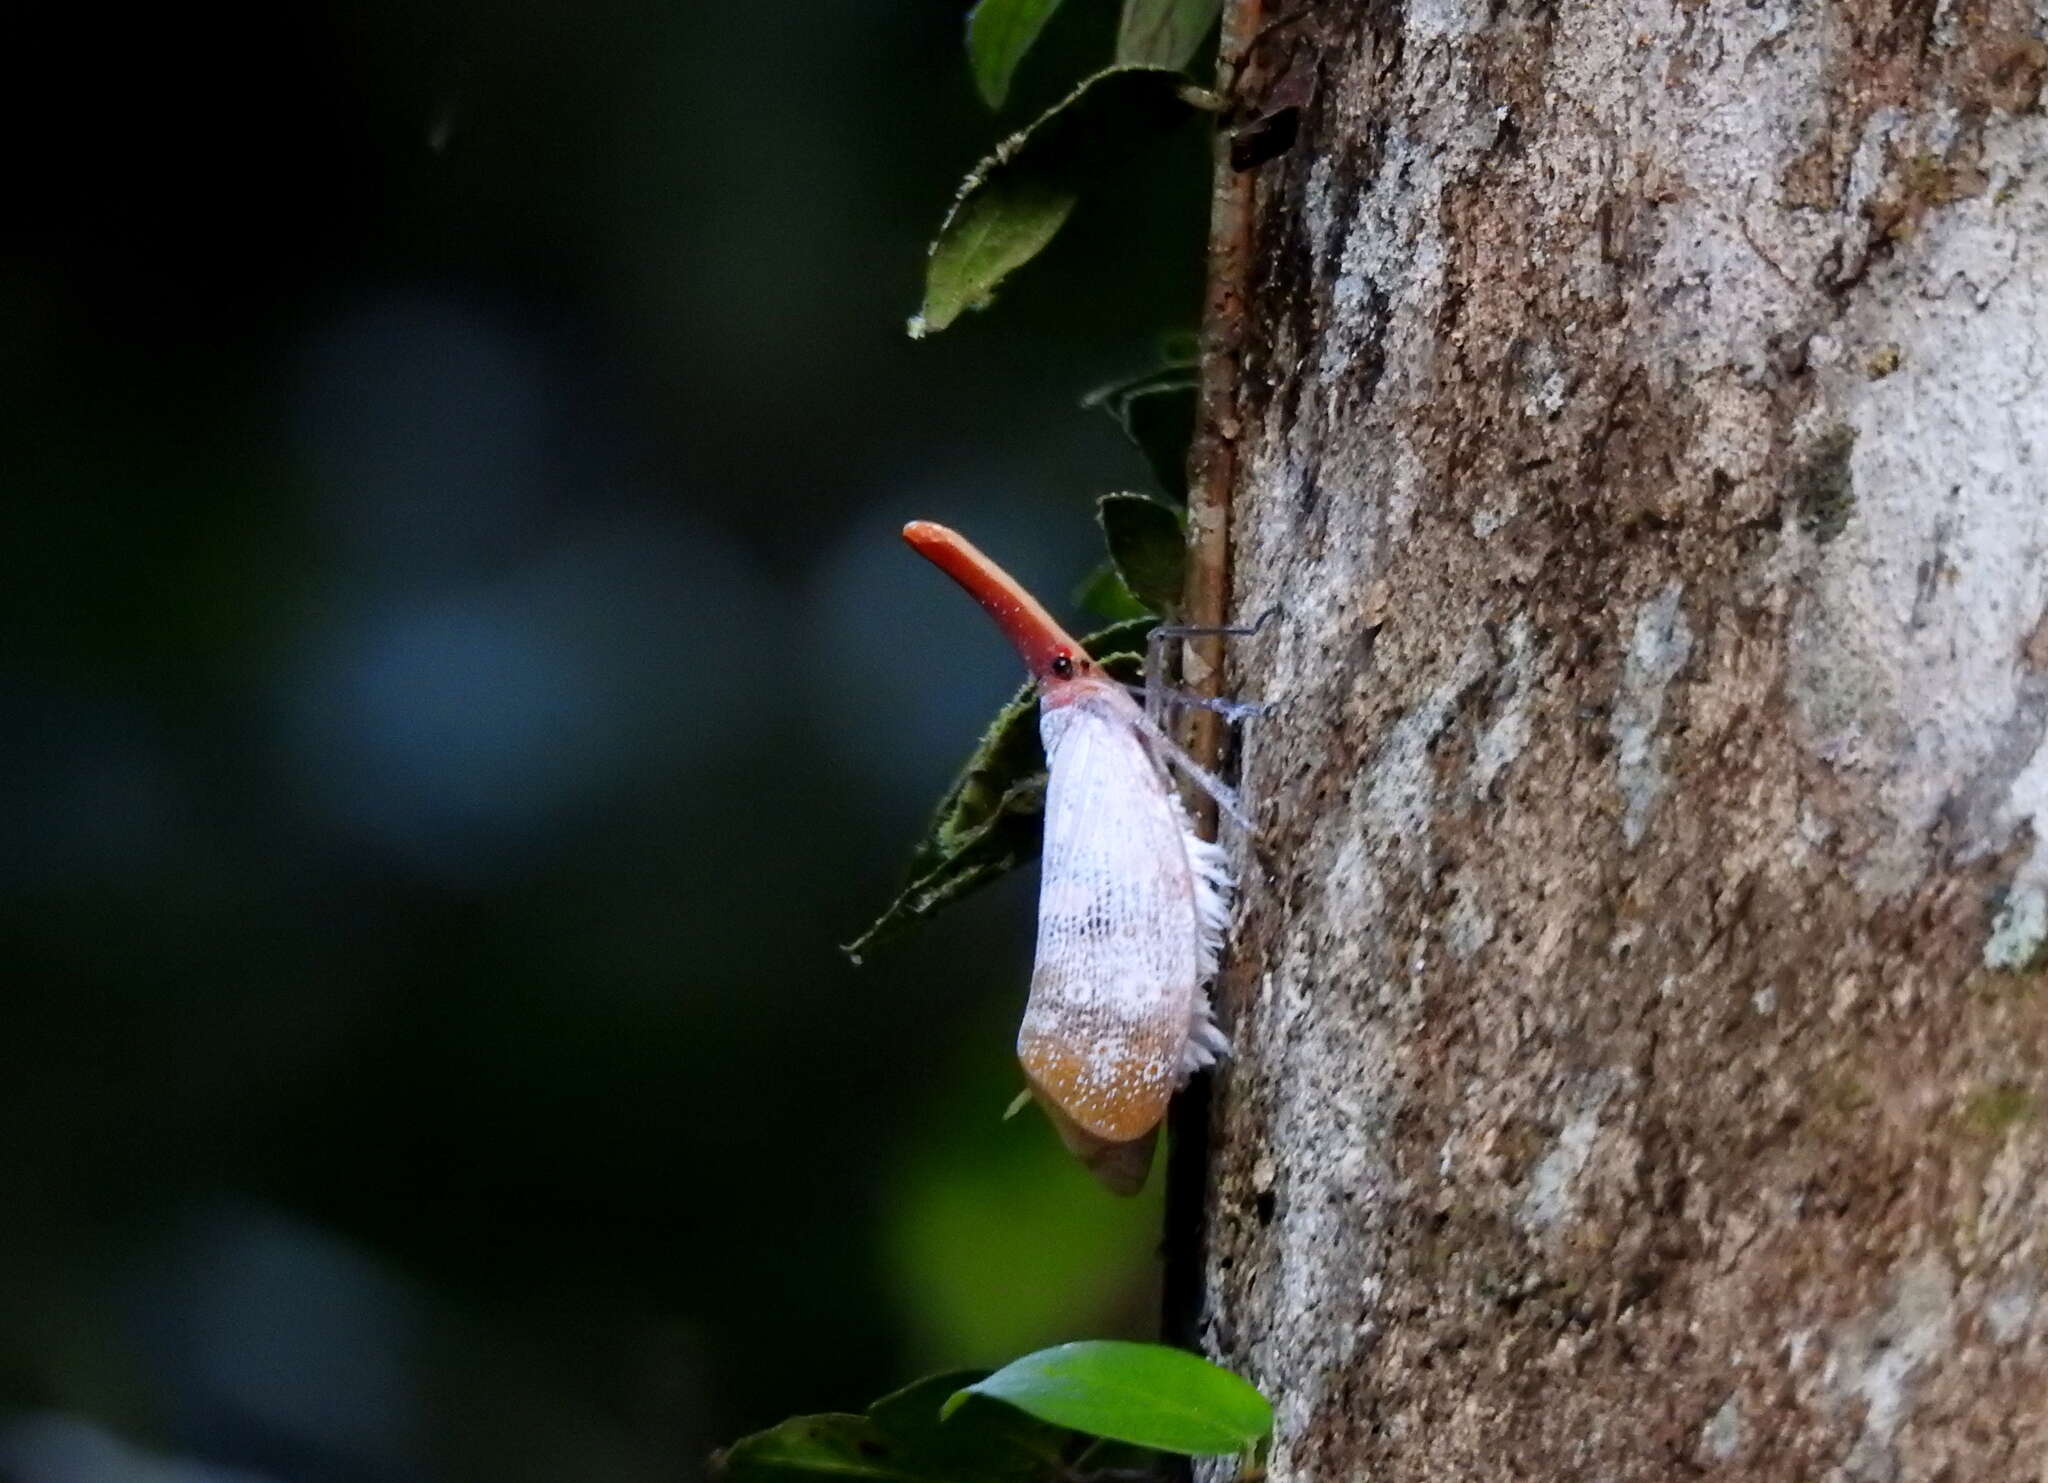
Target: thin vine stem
1212,476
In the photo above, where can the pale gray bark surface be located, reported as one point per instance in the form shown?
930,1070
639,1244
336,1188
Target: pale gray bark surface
1642,1050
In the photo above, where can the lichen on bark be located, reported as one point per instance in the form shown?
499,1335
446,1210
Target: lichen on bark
1642,417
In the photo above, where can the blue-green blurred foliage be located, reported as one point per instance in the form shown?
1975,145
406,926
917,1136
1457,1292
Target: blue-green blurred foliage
458,681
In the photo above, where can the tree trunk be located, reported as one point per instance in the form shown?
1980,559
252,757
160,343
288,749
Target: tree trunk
1639,412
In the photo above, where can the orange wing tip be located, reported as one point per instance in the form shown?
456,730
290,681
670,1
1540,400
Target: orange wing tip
1117,1103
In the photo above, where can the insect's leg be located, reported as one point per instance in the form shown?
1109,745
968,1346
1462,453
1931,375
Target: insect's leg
1159,696
1215,630
1159,699
1155,674
1230,710
1220,792
1163,698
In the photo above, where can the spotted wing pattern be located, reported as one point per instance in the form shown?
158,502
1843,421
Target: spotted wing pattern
1131,911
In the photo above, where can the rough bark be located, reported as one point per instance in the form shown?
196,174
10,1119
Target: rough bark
1642,418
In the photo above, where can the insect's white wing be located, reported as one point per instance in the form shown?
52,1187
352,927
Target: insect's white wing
1128,921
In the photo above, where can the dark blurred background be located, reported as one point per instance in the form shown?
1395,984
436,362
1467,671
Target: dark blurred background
459,681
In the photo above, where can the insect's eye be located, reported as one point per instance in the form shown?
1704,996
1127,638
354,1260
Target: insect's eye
1063,666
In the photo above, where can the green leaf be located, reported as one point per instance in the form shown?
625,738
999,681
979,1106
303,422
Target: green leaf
805,1449
982,1439
915,1408
1144,1394
994,229
988,852
901,1439
1006,759
1148,546
1156,411
1006,772
999,33
990,820
1104,594
1016,200
1160,419
1164,33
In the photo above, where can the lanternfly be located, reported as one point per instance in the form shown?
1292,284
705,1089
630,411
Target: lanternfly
1132,903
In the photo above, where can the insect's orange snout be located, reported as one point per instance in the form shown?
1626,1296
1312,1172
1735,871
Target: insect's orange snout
1048,651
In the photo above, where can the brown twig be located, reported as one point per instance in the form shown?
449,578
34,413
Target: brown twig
1212,473
1212,462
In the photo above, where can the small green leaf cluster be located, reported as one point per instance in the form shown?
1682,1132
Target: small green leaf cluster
1156,410
1015,201
1010,206
1069,1414
1150,33
1102,1410
1147,563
